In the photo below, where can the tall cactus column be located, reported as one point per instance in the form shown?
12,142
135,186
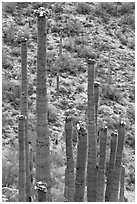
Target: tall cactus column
114,195
24,107
21,129
92,152
81,165
42,141
70,162
113,149
101,167
122,182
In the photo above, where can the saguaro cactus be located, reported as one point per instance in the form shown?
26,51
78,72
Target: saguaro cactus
91,166
21,130
81,165
31,171
96,93
122,182
42,142
113,148
24,107
101,166
70,162
114,194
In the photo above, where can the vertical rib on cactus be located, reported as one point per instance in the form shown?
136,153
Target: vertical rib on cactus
66,186
114,195
70,162
21,129
113,148
31,171
42,142
96,93
122,183
24,107
101,167
81,165
91,166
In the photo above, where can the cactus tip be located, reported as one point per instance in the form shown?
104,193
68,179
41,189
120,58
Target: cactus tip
96,84
122,123
90,61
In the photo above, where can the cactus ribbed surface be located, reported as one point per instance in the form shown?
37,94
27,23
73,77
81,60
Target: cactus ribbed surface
21,130
70,162
101,166
31,171
42,141
113,149
92,152
122,183
66,186
114,195
81,165
96,94
24,108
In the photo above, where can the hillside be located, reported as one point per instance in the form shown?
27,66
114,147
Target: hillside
106,30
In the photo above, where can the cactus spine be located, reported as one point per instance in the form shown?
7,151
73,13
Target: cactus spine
122,182
24,108
42,142
117,169
21,129
101,167
70,162
81,165
113,148
91,166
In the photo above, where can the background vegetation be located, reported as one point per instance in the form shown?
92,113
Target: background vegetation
87,27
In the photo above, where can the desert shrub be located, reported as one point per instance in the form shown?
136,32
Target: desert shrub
9,7
73,27
81,40
113,93
130,140
114,8
80,88
9,166
131,112
6,60
83,8
104,8
129,19
15,52
57,158
131,43
126,7
58,7
52,113
65,64
85,52
10,31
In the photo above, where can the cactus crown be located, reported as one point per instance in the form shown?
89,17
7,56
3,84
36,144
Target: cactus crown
91,61
114,134
96,84
41,12
21,117
122,123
